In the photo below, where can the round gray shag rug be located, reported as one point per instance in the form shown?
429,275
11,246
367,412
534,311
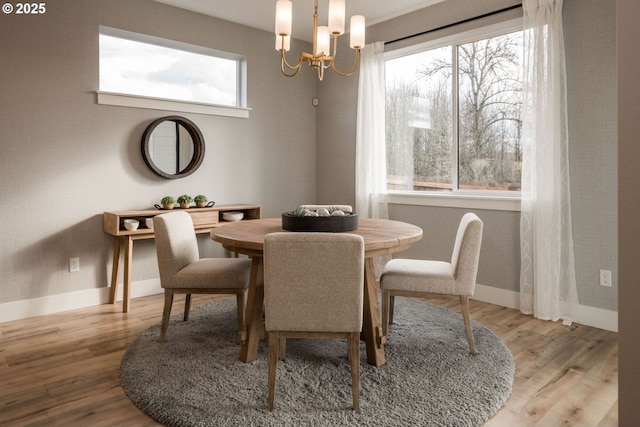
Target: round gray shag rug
195,378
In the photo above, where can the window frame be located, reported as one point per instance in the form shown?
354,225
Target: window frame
167,104
463,198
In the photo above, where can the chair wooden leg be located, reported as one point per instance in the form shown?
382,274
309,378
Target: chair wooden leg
273,365
464,302
166,313
241,301
386,300
354,356
282,348
187,307
392,303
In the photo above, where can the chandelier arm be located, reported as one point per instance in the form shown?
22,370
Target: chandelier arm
283,63
332,55
353,70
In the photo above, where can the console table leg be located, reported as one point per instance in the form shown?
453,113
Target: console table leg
128,254
113,293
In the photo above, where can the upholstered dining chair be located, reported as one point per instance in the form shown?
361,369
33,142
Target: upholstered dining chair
415,278
182,271
313,288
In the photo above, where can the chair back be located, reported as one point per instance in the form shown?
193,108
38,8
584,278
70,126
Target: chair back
466,253
313,282
176,244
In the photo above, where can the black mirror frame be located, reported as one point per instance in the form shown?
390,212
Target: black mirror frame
198,147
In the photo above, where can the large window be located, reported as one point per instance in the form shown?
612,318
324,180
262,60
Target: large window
150,67
453,113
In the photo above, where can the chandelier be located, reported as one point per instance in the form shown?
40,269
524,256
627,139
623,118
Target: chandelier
322,57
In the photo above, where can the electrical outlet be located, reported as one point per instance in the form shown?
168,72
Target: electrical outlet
74,265
605,278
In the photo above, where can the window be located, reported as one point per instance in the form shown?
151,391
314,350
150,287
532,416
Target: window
149,67
453,113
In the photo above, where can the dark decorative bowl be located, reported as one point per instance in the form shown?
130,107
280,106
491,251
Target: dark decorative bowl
334,224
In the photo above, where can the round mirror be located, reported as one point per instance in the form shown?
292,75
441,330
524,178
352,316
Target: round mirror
173,147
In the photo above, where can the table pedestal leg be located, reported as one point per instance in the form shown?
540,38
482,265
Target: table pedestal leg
371,327
252,328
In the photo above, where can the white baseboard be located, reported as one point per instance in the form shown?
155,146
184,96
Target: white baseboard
589,316
599,318
17,310
497,296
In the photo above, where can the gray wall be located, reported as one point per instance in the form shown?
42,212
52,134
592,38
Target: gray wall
500,251
628,34
590,37
64,159
590,43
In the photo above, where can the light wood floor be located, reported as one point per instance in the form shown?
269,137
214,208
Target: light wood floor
63,369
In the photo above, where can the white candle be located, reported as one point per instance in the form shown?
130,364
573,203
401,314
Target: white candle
283,17
357,32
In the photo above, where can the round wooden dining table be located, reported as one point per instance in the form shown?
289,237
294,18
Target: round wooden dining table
381,237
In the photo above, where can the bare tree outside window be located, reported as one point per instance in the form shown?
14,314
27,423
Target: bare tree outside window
418,123
422,118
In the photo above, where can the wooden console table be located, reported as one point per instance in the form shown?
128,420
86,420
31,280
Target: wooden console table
204,220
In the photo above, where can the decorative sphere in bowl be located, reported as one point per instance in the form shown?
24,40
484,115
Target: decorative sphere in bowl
131,224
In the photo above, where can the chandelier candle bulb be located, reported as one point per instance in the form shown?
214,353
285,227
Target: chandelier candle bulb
336,16
284,18
287,43
357,32
324,41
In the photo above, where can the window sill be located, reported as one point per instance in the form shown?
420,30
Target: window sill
122,100
494,202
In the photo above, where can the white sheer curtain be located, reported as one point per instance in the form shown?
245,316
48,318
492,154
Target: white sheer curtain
371,168
547,279
371,179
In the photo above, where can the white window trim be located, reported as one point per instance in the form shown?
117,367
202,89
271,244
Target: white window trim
491,200
135,101
487,200
139,101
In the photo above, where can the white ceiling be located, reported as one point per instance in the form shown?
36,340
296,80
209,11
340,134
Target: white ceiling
261,13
